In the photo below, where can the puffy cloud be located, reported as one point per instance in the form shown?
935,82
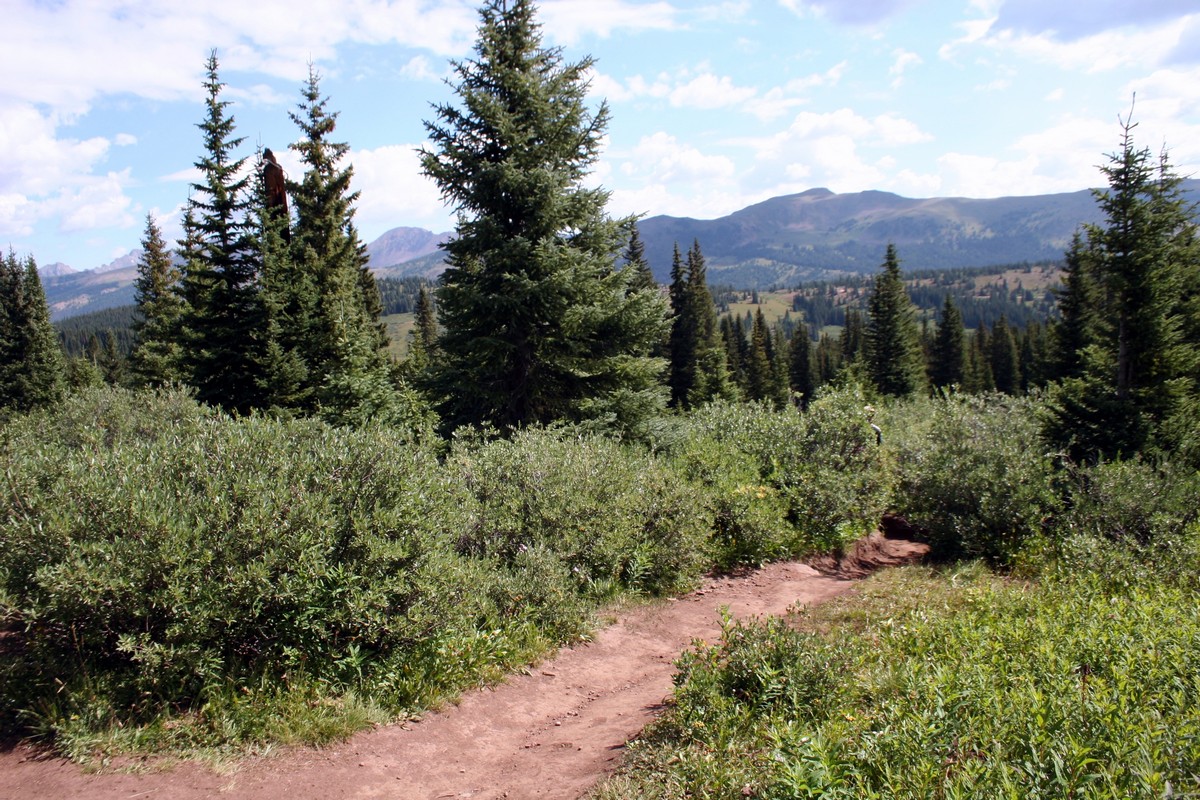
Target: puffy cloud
707,91
1074,21
904,60
42,175
853,12
394,190
567,21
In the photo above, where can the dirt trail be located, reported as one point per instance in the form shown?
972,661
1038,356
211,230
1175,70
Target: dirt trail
550,733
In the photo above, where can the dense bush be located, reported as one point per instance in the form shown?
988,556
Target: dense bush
972,473
786,483
968,687
615,517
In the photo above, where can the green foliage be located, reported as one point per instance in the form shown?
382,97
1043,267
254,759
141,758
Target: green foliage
1127,345
822,469
158,556
615,518
893,350
156,358
32,368
973,475
956,686
222,309
948,365
538,323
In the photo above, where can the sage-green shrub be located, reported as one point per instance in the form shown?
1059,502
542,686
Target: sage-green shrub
615,516
972,472
822,470
155,556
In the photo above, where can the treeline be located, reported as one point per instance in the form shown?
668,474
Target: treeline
402,295
85,334
981,303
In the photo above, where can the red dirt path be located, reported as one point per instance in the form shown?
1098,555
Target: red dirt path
551,733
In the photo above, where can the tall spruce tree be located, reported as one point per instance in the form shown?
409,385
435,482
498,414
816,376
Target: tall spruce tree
538,323
1005,358
156,357
32,366
1077,325
345,360
802,373
894,361
1136,375
223,313
641,277
948,363
711,369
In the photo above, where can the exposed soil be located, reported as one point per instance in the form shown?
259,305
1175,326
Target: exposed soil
552,732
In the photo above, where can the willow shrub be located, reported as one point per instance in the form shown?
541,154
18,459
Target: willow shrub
156,557
614,517
782,482
972,472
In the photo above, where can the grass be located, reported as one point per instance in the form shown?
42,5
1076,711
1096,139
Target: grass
940,684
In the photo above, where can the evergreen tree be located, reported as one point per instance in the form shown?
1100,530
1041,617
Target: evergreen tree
287,379
1078,305
802,374
1133,383
758,367
893,348
853,339
538,323
948,364
223,314
1005,358
422,348
635,260
684,343
711,369
156,357
32,366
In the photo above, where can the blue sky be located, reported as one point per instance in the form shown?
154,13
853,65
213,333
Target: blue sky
715,105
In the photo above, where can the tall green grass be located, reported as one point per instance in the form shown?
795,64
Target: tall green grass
956,685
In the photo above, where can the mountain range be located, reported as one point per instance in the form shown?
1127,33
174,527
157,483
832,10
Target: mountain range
783,241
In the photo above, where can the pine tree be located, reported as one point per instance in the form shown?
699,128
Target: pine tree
802,375
422,348
538,323
635,259
758,367
223,313
853,339
289,297
1005,359
1077,326
1133,381
948,364
711,370
32,366
684,343
156,357
893,349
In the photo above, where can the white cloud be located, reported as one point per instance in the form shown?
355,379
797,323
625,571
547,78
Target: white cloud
852,12
1074,21
567,21
394,192
707,91
662,157
904,60
1081,38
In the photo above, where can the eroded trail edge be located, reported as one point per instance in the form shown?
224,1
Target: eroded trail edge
550,733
